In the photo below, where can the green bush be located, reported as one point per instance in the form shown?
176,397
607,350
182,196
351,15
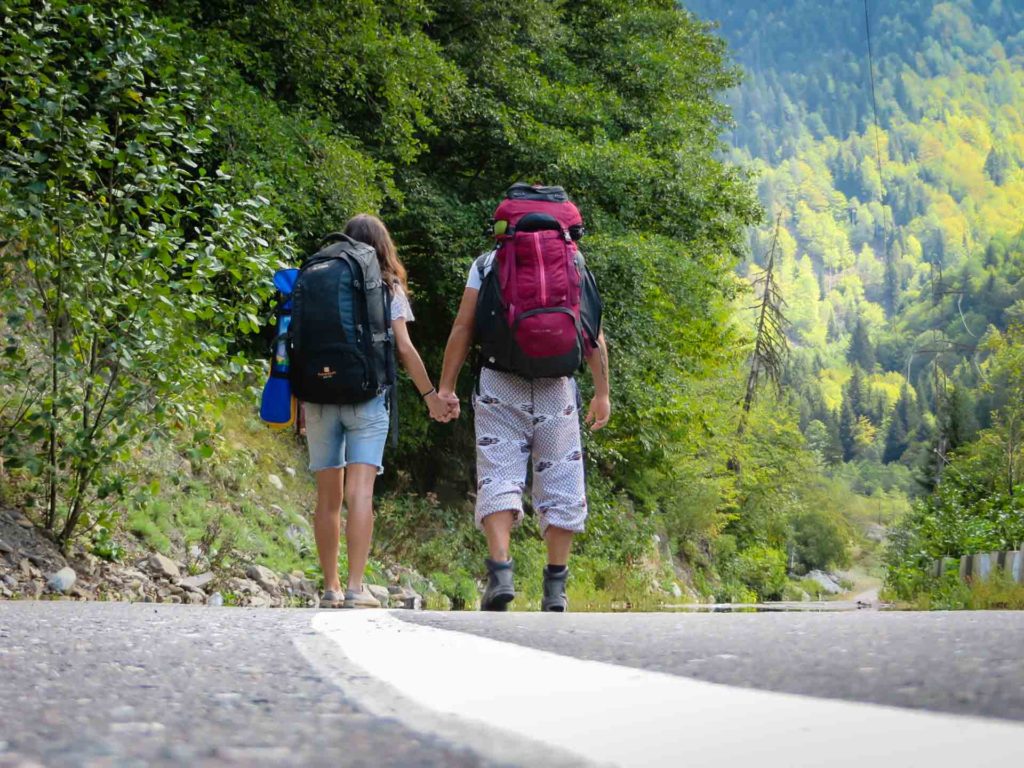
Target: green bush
762,570
820,540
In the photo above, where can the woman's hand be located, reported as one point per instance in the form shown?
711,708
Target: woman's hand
451,403
440,410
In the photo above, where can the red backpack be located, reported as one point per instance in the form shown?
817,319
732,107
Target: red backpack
532,316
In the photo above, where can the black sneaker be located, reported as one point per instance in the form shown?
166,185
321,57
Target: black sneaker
500,591
554,591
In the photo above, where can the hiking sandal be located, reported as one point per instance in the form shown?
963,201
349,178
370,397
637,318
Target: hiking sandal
332,599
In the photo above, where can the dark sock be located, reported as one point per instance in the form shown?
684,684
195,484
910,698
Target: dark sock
557,570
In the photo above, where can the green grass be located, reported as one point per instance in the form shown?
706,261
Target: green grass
208,502
216,508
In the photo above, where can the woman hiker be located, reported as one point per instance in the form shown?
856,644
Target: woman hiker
346,442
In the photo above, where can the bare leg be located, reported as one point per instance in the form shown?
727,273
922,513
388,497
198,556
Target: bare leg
559,543
498,530
359,527
327,523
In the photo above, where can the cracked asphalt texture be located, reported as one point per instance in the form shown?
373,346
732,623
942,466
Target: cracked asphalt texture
113,684
966,663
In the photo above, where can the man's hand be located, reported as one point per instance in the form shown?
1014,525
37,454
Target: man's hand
599,413
451,403
439,409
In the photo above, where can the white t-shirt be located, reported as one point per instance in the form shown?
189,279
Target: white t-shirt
475,279
401,309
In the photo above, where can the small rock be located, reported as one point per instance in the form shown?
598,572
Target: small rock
163,566
242,586
216,600
379,592
81,593
275,481
27,569
37,561
296,535
62,580
195,598
301,586
9,581
876,533
677,591
23,521
173,599
290,471
5,592
263,576
195,552
5,548
197,582
275,510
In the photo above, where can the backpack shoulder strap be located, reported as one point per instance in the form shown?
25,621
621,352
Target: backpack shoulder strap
482,261
591,306
334,237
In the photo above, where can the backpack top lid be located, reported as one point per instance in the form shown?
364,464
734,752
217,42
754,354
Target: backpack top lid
522,199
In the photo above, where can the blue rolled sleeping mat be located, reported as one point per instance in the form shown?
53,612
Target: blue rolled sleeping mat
278,406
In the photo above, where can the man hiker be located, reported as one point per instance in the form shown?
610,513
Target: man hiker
533,308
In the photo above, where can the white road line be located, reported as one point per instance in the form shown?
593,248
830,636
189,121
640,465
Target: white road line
615,715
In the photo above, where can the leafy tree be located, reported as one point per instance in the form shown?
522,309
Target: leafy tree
133,265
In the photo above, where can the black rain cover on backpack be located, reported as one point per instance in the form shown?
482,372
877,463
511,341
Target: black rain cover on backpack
342,349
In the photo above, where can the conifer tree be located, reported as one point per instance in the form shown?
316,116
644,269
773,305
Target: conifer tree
856,393
861,352
770,345
848,430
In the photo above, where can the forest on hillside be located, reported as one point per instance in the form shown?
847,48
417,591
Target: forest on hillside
901,254
162,158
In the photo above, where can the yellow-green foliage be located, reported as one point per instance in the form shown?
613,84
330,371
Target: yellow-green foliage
998,592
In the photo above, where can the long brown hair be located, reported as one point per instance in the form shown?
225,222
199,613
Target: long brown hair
370,230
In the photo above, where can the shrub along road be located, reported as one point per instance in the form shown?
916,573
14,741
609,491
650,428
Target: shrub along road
116,684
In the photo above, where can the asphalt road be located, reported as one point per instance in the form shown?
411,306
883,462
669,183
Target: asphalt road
114,684
88,684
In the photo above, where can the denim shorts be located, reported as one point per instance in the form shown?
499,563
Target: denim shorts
339,435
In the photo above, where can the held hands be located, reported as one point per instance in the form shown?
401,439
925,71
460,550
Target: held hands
599,412
444,406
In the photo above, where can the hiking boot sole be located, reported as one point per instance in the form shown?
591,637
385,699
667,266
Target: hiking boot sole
366,604
498,602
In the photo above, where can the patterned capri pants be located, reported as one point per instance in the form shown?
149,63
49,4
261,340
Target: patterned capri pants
518,419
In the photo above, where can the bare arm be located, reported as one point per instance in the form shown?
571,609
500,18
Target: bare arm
601,406
459,342
413,364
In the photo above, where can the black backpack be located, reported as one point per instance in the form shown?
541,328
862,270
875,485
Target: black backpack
341,344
